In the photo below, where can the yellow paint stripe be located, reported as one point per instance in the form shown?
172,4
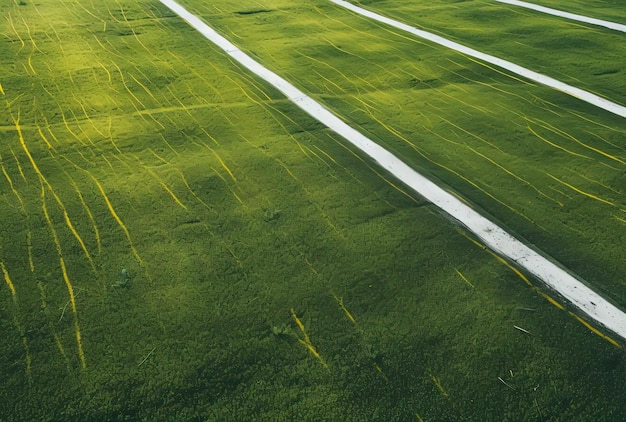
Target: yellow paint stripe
168,190
44,306
498,257
579,142
44,137
1,90
230,173
8,281
77,236
118,219
16,321
551,300
29,242
58,200
145,88
555,145
344,309
30,64
70,290
307,342
88,211
437,383
582,192
464,278
595,331
66,279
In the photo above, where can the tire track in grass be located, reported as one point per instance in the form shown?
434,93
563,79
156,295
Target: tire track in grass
581,94
494,237
567,15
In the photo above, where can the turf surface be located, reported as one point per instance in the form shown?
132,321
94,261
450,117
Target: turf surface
271,272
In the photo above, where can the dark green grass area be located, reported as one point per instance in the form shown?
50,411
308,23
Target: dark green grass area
231,259
583,55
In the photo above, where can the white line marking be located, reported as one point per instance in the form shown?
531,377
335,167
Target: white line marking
581,94
572,16
492,235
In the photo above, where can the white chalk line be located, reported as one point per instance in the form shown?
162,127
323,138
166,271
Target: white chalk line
494,237
567,15
581,94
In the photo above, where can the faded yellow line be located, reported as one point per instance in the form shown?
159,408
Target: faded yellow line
595,331
582,192
307,342
16,320
464,278
118,219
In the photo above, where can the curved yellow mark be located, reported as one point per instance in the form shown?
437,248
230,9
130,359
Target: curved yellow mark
575,189
118,219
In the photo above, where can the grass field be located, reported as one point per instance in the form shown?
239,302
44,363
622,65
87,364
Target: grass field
180,242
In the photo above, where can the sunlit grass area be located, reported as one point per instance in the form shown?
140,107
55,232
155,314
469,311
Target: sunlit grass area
179,242
548,166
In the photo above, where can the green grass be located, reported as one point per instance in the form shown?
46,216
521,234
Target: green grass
521,152
595,9
230,208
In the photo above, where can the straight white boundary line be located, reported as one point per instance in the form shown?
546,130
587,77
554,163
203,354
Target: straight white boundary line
497,239
567,15
581,94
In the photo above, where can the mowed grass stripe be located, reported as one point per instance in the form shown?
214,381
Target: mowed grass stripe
491,234
581,94
567,15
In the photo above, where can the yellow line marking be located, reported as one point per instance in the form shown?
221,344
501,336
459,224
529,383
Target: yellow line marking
307,342
595,331
88,211
555,145
17,163
571,137
44,307
16,321
66,278
70,290
344,309
15,30
589,195
145,88
498,257
118,219
437,383
463,278
551,300
8,281
30,64
45,182
29,242
44,137
230,173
